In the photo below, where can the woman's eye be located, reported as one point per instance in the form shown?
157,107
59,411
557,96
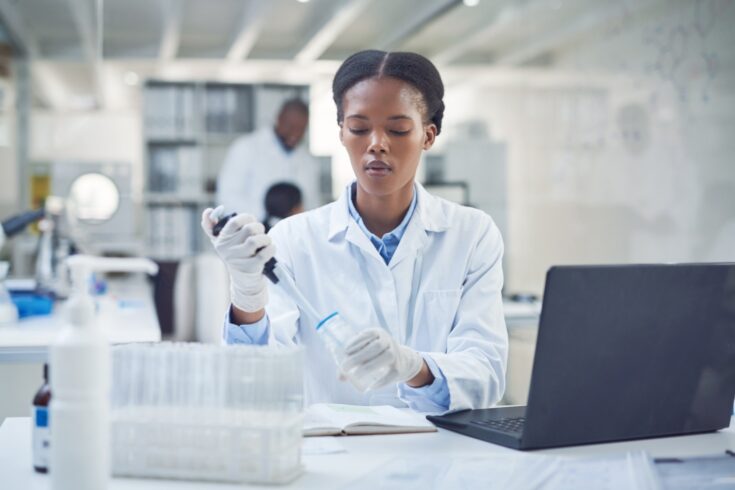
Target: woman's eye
399,133
358,131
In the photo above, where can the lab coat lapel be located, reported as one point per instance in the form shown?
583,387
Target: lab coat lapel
358,238
341,224
428,216
414,239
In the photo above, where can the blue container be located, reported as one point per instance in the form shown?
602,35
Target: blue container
30,304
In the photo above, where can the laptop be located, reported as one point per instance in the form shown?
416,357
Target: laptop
623,352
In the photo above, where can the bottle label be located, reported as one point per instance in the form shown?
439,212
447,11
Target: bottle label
41,436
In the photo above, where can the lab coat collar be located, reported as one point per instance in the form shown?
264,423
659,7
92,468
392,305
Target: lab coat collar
429,215
431,210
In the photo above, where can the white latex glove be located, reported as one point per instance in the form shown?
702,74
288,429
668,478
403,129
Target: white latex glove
244,248
373,358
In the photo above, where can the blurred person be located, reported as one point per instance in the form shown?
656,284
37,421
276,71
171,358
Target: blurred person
281,201
259,159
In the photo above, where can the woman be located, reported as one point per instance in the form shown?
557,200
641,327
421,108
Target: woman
419,276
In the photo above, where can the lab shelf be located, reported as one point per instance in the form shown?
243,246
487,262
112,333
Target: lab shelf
187,128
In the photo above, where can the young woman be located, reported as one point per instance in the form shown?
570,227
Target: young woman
419,276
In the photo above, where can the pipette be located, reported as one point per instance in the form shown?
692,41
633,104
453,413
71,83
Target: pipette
278,276
334,331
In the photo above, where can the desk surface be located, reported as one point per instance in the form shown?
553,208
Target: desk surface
364,453
126,314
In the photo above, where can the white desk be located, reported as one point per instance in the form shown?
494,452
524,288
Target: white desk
126,314
365,453
27,341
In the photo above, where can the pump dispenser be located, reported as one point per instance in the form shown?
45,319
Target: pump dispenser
80,382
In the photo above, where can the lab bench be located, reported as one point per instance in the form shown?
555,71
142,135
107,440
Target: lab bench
364,456
125,313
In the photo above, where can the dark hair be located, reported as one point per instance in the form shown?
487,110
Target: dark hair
409,67
294,104
280,201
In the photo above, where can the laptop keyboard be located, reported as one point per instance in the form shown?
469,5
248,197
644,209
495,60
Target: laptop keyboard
510,424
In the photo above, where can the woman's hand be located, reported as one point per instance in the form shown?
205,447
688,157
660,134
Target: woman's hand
244,248
373,351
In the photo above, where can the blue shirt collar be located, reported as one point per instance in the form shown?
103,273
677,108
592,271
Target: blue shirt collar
388,243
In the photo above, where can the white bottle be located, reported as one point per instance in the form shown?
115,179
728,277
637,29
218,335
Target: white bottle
80,383
336,335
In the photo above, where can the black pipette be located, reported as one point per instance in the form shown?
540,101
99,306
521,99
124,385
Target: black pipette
272,273
267,268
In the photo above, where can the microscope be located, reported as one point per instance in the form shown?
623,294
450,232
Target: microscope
17,223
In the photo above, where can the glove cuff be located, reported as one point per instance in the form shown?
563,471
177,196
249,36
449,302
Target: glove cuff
248,294
414,363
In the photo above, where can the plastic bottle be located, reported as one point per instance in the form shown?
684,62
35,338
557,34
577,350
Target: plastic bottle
336,334
80,380
40,418
80,367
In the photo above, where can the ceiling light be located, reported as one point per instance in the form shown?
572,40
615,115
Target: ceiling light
471,3
302,1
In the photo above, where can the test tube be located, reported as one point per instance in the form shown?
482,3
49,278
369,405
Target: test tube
336,334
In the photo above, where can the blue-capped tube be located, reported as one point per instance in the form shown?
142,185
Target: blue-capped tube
333,330
336,335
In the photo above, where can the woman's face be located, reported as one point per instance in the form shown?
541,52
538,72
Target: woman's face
384,133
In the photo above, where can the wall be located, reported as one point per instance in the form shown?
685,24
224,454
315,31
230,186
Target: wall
621,151
88,136
8,169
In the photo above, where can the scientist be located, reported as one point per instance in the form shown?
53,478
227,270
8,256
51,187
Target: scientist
419,276
258,160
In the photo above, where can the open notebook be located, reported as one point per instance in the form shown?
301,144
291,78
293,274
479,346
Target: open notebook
331,419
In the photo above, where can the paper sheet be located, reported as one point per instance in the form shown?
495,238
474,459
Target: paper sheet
513,470
715,473
321,445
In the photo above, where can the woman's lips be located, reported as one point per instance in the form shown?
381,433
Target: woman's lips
377,168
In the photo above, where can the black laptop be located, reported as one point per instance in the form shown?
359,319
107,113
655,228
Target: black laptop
623,352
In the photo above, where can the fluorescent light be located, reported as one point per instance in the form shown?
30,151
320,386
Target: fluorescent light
471,3
302,1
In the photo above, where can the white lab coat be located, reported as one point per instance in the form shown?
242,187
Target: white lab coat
256,161
450,255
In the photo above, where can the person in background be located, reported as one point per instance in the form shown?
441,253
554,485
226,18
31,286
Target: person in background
281,201
259,159
418,276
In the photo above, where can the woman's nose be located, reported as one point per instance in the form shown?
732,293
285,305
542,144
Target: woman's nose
378,143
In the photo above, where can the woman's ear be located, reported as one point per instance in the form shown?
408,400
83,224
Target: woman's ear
429,135
341,127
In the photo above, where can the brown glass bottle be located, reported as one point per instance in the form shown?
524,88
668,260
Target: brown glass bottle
40,422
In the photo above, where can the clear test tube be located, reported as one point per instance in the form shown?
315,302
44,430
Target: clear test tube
336,334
